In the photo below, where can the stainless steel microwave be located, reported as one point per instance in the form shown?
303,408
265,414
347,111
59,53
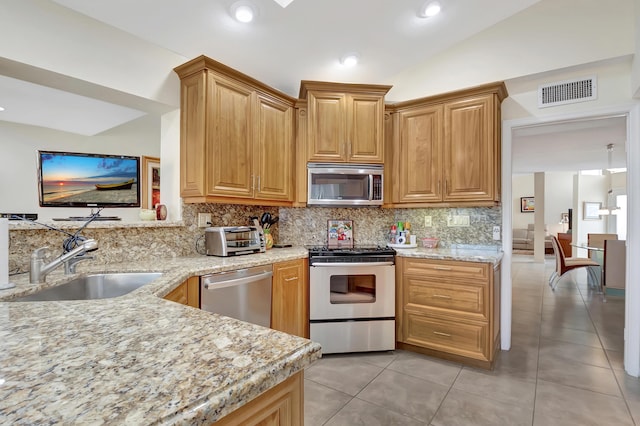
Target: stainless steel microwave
344,184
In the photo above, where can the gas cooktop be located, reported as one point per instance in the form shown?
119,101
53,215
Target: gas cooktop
350,251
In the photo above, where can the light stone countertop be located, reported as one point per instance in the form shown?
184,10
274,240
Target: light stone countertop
139,359
481,254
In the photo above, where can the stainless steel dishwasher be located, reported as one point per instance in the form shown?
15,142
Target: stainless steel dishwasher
244,294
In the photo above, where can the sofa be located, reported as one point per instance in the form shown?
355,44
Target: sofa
523,239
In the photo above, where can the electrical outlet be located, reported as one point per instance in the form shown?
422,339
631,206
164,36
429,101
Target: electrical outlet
496,233
458,220
204,220
427,221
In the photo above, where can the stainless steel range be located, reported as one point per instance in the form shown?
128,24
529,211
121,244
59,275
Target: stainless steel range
352,299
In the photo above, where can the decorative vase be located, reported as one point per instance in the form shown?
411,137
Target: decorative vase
268,239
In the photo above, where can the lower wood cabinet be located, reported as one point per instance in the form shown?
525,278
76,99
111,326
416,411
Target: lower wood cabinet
187,293
282,405
449,309
290,297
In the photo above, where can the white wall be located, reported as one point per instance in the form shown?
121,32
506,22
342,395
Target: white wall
18,163
558,192
590,189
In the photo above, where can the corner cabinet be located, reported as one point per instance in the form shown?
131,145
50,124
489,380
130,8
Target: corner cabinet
290,297
457,137
187,293
448,309
236,137
345,122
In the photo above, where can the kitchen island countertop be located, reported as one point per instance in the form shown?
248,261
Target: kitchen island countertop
138,359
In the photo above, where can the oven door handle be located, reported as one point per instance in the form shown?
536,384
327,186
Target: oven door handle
350,264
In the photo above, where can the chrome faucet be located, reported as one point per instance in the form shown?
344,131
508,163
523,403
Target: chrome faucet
39,270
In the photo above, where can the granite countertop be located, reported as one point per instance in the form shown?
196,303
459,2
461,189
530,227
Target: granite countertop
470,254
138,359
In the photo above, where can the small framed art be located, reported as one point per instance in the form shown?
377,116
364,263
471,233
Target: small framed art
591,210
339,233
527,205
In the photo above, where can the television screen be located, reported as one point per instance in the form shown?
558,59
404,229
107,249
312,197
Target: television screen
69,179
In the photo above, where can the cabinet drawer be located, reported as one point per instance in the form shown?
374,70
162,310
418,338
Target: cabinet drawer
444,269
460,338
453,299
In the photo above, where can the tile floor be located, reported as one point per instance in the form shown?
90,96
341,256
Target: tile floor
564,368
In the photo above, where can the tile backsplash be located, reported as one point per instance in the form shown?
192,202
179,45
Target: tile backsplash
297,226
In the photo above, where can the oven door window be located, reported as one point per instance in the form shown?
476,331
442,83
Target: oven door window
352,289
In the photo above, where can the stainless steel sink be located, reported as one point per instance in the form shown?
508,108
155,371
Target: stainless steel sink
94,286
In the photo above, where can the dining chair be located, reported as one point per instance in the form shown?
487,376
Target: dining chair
566,264
597,241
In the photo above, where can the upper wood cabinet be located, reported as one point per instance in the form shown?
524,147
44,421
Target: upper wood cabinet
446,148
345,122
236,137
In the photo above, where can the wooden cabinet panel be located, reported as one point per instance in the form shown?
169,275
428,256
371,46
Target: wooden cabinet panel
282,405
236,137
366,129
447,149
469,154
289,301
455,337
230,145
274,168
449,309
426,296
418,173
345,122
327,127
193,94
187,293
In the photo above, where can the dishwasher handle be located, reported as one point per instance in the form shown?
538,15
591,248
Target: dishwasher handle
235,281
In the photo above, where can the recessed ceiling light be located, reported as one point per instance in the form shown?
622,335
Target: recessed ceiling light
430,9
243,11
1,109
349,60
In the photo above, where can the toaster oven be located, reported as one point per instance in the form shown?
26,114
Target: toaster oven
234,240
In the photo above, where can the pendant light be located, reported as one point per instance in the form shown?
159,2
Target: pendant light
606,210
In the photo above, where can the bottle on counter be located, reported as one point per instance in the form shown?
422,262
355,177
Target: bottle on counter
407,232
400,233
393,234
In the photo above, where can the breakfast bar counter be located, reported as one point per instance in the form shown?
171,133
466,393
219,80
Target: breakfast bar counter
138,359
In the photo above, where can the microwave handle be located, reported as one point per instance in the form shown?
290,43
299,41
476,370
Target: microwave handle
370,186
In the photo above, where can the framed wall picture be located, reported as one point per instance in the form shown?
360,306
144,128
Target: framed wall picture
591,210
150,182
527,205
340,233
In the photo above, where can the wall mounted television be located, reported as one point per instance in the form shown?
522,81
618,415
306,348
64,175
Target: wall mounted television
72,179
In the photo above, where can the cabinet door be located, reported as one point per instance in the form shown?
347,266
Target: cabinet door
470,154
365,127
419,151
289,312
231,141
193,94
273,158
327,127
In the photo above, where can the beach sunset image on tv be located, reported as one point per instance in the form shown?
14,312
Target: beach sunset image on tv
74,179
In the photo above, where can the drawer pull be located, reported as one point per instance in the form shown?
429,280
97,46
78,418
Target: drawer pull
441,296
442,268
291,279
438,333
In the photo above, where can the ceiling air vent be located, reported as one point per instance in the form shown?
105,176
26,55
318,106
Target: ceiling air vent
567,92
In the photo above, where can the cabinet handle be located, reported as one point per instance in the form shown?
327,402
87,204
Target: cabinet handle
258,188
253,182
441,296
438,191
291,279
445,187
443,268
438,333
